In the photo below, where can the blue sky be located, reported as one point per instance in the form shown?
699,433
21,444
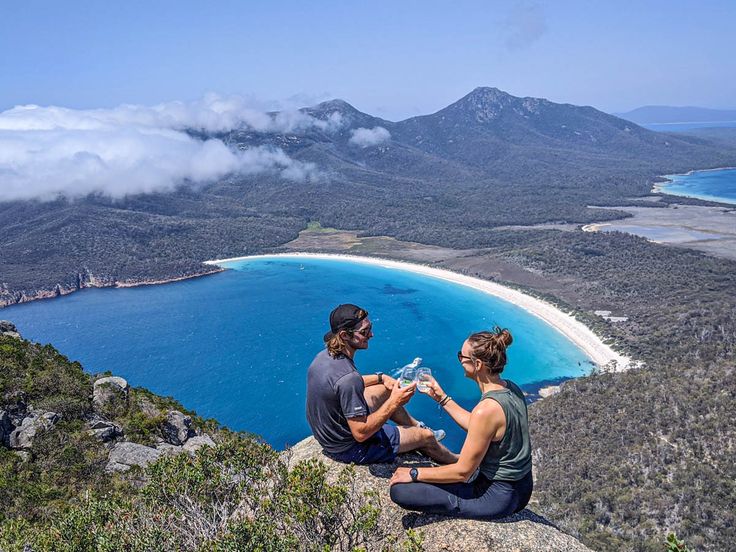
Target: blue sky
392,59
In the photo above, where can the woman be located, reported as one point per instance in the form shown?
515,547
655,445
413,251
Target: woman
497,444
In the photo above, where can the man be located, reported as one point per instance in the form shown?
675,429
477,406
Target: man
348,412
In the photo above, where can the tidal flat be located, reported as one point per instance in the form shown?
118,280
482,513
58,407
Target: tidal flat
711,230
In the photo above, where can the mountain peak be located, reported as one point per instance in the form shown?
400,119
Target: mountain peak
330,106
487,93
485,104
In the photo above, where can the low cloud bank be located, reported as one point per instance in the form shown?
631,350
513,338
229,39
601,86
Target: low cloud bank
46,152
365,137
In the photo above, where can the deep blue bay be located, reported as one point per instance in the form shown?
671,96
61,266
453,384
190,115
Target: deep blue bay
712,185
235,346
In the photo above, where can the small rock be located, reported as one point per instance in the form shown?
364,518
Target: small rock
125,455
177,428
196,443
9,329
23,435
168,449
110,395
104,430
548,391
17,411
23,454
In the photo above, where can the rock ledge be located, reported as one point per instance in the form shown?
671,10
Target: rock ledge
525,531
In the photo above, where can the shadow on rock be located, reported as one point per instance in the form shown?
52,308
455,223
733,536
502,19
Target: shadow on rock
415,520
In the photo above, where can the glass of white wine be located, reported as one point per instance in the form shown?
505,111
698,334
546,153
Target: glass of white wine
424,374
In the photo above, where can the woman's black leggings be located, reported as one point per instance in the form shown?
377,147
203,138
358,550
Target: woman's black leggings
479,499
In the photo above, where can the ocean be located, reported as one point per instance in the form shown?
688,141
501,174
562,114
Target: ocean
235,346
713,185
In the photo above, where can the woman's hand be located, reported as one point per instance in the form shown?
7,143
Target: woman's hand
401,475
433,389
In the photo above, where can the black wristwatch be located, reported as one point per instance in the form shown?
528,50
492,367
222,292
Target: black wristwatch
414,473
380,377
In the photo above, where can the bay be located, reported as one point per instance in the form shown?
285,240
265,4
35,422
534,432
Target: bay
236,346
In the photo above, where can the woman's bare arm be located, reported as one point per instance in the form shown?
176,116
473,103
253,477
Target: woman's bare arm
486,421
456,412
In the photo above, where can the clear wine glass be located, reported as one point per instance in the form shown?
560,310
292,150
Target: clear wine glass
424,374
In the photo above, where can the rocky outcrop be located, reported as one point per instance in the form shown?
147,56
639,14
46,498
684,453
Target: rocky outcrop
104,430
177,428
125,455
110,395
9,329
193,444
525,531
36,422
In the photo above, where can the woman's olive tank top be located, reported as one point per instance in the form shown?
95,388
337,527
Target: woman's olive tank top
509,459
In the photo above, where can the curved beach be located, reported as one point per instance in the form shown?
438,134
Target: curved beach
567,325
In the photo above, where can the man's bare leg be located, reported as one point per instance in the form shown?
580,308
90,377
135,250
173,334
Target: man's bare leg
376,395
416,438
411,437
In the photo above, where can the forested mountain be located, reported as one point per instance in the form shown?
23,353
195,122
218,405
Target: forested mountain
449,178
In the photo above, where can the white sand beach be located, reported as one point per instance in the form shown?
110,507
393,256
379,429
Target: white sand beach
567,325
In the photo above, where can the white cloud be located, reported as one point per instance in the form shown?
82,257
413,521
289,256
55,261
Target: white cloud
365,137
46,152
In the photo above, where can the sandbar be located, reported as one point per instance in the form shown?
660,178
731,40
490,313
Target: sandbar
574,330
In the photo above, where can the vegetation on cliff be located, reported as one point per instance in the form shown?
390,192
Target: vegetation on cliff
238,494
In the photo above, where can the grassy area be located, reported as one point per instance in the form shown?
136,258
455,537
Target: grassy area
316,226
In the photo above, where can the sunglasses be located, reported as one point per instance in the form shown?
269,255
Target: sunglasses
365,332
462,358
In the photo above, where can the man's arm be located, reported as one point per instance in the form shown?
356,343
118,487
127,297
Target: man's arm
364,427
372,379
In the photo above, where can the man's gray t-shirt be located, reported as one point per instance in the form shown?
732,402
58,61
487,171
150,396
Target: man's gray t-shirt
334,394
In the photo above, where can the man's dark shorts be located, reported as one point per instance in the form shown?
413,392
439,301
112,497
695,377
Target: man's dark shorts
382,447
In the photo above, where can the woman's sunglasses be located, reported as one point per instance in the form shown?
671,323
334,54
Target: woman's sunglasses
462,358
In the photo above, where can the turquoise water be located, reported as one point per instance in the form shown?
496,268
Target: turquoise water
235,346
716,185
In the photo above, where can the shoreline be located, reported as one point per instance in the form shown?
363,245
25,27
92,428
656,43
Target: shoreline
574,330
661,187
40,295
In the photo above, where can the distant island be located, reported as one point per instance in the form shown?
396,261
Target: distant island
664,114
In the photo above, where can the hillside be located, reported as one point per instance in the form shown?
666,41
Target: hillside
445,179
88,464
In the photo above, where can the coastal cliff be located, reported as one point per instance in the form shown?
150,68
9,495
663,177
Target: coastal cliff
90,463
87,280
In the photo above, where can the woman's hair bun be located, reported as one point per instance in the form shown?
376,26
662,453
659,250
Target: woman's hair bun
503,336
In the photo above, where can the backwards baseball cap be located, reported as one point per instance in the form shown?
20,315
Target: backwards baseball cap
344,317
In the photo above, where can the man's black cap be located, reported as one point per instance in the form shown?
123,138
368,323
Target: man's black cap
344,317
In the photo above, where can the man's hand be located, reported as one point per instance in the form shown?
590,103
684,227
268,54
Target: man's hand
388,382
401,475
401,395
